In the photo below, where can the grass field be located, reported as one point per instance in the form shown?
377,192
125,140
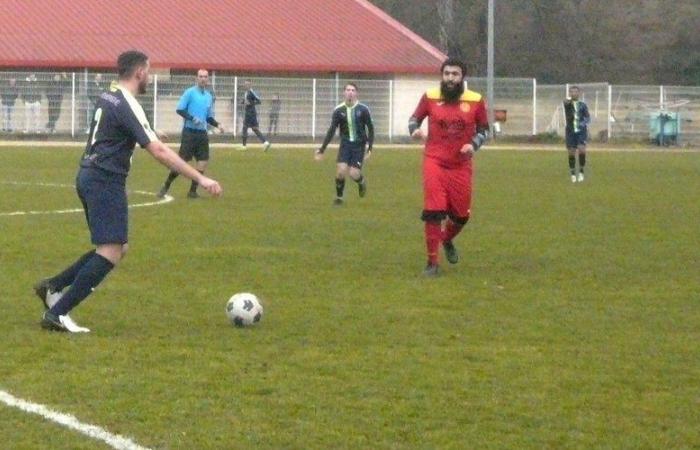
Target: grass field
572,321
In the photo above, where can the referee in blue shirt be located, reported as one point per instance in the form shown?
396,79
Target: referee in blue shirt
195,106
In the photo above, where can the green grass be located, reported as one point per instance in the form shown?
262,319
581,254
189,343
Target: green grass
572,320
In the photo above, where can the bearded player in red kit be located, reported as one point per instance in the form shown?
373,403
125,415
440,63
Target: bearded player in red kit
457,128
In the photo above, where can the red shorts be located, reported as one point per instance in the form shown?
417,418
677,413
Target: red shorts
446,189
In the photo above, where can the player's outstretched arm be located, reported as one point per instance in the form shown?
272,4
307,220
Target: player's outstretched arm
318,155
370,135
335,121
416,119
163,154
211,121
414,129
586,115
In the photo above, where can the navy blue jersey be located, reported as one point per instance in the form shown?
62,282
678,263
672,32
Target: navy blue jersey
355,123
251,99
117,125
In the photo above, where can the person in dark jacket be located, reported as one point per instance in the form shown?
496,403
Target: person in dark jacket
577,120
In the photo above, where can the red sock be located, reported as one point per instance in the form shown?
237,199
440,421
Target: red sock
451,230
433,233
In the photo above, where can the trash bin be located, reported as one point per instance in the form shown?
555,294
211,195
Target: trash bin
500,116
664,127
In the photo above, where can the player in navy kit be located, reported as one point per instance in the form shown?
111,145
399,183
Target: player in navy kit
118,124
250,120
356,139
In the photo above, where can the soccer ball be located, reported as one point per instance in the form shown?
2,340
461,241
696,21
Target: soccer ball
244,309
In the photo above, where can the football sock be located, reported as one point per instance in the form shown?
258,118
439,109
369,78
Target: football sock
171,177
581,161
193,186
88,277
572,164
339,187
244,136
433,234
452,229
65,278
360,180
259,135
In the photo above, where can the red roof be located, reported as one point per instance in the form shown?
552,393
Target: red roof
245,35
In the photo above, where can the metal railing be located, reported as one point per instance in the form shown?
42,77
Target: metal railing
62,103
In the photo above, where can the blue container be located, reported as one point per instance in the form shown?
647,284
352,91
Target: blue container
664,127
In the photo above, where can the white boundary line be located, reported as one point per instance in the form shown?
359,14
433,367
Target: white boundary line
164,200
113,440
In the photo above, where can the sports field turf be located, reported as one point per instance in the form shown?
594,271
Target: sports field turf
572,321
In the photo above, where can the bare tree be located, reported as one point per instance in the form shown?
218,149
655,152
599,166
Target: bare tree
621,41
449,40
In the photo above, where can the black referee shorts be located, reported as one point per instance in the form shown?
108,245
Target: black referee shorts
194,144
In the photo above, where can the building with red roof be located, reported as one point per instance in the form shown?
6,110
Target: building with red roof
299,50
302,36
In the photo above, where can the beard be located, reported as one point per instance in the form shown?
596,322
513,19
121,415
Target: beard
143,84
451,92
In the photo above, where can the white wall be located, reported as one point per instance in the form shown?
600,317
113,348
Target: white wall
407,92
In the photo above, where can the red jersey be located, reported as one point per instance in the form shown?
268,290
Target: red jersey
451,125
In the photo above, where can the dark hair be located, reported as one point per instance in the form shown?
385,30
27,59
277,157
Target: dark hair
351,84
129,61
574,87
455,63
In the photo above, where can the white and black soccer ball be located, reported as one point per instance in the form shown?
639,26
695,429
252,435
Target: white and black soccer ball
244,309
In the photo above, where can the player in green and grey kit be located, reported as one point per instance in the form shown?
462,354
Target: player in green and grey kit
356,139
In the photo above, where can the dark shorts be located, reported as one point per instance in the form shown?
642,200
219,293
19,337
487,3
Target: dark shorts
250,121
351,153
576,140
103,195
194,144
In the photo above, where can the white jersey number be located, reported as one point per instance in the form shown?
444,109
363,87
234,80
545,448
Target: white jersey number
96,124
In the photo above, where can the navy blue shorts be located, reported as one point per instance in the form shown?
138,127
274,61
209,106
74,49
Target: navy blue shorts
103,195
351,153
576,140
250,121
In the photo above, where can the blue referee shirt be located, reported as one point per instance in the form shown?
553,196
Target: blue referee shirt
198,103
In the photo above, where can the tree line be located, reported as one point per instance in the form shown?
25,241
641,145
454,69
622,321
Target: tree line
557,41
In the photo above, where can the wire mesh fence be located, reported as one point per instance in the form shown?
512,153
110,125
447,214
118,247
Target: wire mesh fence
515,98
62,103
686,100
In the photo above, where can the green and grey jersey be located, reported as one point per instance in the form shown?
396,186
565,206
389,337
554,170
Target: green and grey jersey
355,123
577,116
